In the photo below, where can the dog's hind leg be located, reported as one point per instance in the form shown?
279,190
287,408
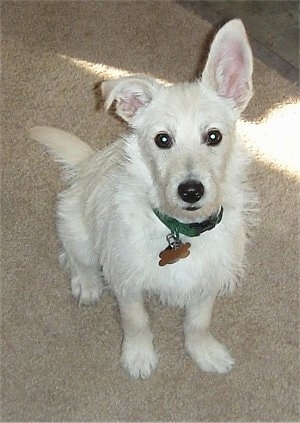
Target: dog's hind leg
209,354
86,280
86,284
79,259
138,355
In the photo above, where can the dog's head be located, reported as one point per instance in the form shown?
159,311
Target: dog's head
185,132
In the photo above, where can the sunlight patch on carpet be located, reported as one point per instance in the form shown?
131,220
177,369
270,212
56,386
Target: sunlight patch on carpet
104,71
100,69
275,139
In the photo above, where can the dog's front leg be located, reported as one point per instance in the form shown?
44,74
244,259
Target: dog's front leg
138,355
209,354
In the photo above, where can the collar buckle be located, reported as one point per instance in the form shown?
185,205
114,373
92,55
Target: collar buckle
208,224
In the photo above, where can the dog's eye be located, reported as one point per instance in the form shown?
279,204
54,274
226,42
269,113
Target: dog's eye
213,137
163,141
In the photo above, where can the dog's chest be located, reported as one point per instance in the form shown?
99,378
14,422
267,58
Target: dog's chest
138,267
176,283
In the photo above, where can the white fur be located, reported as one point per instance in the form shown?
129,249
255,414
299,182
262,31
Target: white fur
106,221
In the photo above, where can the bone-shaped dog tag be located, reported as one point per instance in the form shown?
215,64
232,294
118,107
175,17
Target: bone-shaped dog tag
175,251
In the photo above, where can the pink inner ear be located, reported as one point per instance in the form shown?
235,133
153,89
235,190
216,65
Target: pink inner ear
231,68
131,104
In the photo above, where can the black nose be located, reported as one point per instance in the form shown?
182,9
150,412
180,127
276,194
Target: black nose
191,191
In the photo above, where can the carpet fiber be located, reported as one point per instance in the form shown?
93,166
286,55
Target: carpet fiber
61,362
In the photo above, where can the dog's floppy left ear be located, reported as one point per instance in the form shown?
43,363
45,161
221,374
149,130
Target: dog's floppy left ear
229,66
128,94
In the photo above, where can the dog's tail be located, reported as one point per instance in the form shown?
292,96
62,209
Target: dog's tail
65,147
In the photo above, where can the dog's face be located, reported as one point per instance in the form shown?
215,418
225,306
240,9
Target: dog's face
186,131
186,134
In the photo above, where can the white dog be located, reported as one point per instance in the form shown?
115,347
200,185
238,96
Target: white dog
164,209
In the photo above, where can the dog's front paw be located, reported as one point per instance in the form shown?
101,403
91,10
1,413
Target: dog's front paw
87,291
138,360
209,354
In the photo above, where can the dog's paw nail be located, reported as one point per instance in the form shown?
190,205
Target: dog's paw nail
210,355
139,363
87,293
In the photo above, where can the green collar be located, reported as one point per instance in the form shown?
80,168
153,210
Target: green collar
189,229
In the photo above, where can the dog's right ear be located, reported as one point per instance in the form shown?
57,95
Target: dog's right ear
128,94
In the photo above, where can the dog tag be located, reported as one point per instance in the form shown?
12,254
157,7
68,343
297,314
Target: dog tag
175,251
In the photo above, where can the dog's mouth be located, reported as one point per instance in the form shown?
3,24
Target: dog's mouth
190,213
192,208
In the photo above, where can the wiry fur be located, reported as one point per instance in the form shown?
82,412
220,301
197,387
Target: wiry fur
106,221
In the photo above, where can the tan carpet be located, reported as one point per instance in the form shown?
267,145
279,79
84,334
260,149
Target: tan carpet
61,362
